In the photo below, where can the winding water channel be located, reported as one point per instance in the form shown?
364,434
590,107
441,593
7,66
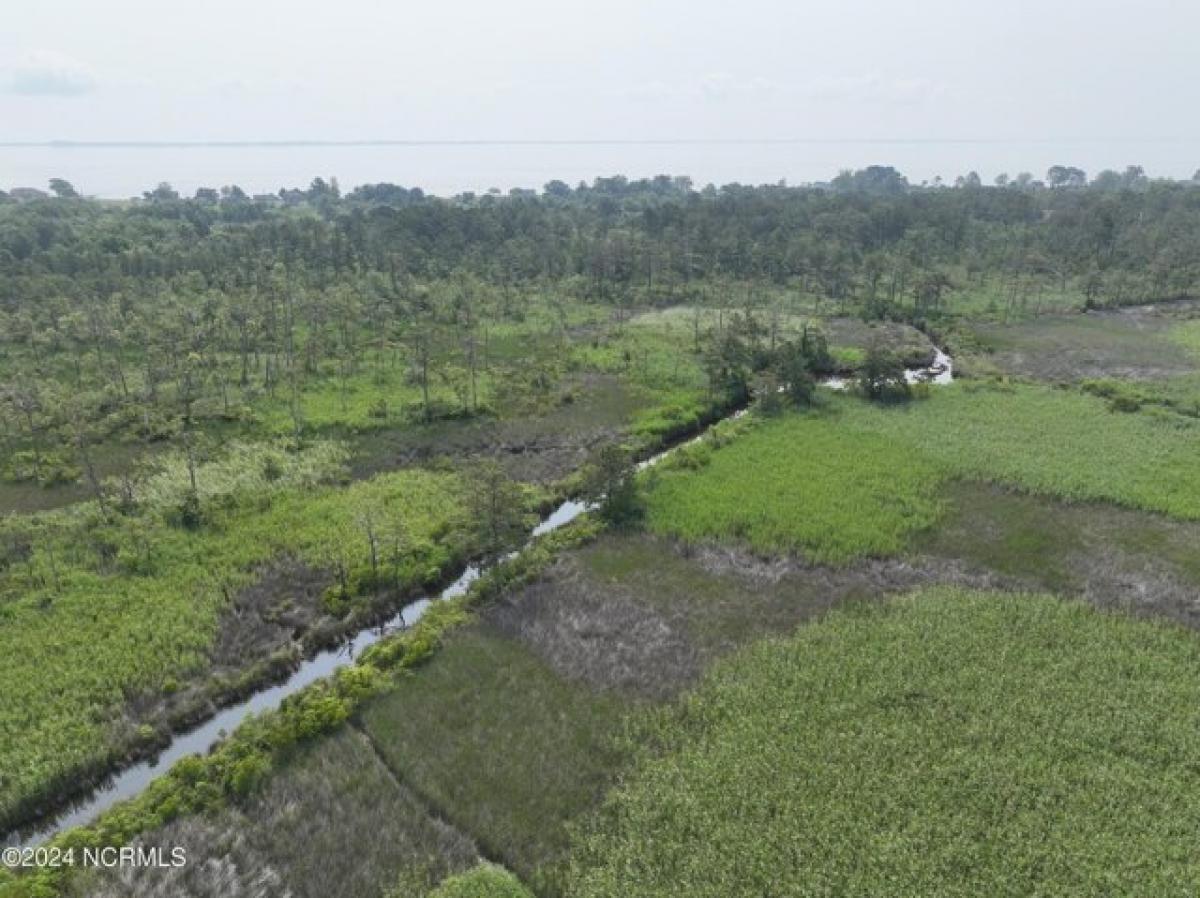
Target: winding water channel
133,779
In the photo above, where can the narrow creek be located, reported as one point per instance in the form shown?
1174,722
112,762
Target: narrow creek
133,779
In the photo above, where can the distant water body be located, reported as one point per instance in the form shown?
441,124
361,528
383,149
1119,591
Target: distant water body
123,169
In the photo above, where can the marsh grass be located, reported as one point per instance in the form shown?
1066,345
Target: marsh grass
951,743
643,616
855,479
1055,442
1187,335
1127,343
801,484
333,823
79,638
1114,557
485,881
503,747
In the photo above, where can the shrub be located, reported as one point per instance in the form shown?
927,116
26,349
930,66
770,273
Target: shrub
882,377
484,881
612,485
248,773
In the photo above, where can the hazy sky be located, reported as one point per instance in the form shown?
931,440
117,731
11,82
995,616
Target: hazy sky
1122,75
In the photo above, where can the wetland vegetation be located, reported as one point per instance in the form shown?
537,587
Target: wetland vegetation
938,637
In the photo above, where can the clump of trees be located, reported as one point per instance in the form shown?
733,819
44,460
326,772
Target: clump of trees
745,358
496,504
611,484
882,377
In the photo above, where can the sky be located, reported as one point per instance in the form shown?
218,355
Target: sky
1099,83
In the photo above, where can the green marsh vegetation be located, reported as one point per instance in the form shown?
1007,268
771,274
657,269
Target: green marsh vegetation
1187,335
332,821
1139,343
1115,557
853,478
262,753
1055,442
98,610
497,714
949,743
493,725
505,748
495,735
799,484
251,353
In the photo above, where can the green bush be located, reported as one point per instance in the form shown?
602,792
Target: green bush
484,881
41,467
248,773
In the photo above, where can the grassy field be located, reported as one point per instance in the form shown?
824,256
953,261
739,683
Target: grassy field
993,299
505,749
95,614
333,824
1055,442
1187,335
854,478
802,483
952,743
1179,394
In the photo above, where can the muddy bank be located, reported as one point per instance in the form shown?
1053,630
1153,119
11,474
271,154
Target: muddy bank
646,616
588,411
1115,558
263,633
1130,343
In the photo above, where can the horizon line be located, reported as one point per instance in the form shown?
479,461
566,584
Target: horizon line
465,142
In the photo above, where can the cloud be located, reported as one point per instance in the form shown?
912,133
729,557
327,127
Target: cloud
44,73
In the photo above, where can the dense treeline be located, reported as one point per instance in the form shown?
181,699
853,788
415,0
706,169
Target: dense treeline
142,316
850,237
